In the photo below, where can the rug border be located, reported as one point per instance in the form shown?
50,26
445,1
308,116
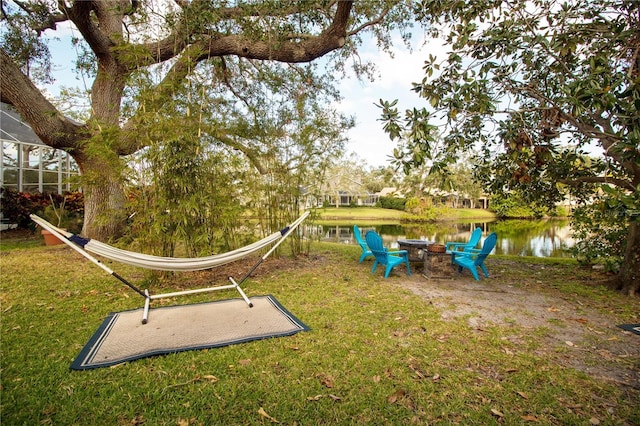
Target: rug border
631,328
99,334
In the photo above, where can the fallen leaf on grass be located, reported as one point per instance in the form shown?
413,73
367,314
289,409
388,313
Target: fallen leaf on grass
264,415
210,377
393,398
327,382
419,374
319,397
523,395
442,339
497,413
137,420
244,362
605,354
529,418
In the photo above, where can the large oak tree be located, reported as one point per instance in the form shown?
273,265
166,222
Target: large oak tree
123,39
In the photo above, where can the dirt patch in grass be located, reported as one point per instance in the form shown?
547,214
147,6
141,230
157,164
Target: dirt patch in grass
240,268
578,332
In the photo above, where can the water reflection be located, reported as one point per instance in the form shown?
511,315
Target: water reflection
540,238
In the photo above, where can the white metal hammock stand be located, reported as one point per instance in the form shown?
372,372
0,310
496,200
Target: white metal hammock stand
84,246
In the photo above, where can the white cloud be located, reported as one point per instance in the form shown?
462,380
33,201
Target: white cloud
395,79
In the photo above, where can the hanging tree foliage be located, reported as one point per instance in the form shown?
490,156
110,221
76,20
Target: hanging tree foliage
193,189
531,87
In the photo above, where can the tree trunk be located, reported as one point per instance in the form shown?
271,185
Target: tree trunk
629,276
104,201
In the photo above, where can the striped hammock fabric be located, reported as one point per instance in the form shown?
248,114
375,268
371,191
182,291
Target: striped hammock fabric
161,263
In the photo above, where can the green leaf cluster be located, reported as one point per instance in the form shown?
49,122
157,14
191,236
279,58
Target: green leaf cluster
19,39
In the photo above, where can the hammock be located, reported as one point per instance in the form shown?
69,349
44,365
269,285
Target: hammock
86,246
160,263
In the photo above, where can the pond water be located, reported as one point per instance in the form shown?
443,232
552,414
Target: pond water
539,238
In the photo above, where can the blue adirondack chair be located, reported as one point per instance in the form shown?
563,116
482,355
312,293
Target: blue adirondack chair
390,259
452,247
362,243
471,260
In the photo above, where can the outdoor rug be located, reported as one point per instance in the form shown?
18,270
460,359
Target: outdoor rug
122,337
634,328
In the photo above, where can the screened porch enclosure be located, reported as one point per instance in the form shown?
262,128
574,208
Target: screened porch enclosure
27,164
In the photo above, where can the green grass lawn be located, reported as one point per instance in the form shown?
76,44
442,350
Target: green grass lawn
360,213
374,214
375,354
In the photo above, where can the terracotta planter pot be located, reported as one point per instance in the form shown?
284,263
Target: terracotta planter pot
437,248
50,239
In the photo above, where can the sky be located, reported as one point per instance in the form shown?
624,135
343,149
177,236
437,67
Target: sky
394,81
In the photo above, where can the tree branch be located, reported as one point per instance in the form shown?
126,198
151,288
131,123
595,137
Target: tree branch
53,128
621,183
155,97
330,39
48,23
372,22
238,146
306,50
80,15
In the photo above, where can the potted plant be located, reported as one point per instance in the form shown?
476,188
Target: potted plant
56,215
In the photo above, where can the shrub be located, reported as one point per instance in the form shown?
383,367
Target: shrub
512,205
17,206
413,206
394,203
420,209
601,232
